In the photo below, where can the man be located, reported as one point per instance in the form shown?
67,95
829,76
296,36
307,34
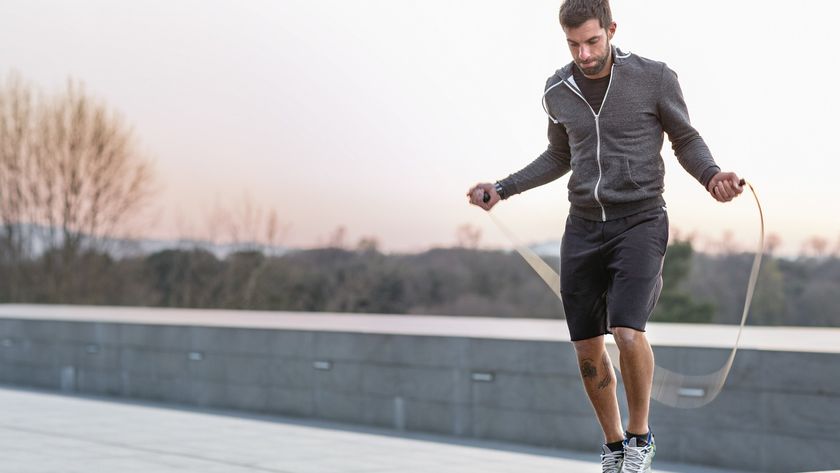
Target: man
607,113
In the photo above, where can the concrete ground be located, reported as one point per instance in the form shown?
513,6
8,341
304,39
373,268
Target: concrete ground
52,433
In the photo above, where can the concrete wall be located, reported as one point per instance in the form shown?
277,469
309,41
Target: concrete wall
779,412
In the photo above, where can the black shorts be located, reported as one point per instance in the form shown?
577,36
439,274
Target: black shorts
611,272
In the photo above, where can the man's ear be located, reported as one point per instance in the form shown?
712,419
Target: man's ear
611,29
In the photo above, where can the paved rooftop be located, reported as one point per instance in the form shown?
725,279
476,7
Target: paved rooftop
50,433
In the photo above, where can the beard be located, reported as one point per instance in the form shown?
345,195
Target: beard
598,67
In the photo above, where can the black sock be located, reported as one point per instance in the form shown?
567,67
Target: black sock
641,439
616,446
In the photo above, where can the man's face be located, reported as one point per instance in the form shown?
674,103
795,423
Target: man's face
590,47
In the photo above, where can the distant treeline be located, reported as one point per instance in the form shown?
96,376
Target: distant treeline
72,173
453,281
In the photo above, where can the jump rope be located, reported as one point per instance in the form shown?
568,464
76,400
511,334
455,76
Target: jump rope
669,387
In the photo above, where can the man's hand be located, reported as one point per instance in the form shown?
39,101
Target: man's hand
476,195
725,186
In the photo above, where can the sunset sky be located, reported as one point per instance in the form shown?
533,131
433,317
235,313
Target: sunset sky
379,115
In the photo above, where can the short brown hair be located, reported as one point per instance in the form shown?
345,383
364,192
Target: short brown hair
574,13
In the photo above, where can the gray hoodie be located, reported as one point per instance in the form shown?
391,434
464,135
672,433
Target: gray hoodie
615,153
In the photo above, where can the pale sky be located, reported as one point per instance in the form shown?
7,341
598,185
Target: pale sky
379,115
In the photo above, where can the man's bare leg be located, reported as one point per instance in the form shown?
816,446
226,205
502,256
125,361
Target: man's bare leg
599,381
636,362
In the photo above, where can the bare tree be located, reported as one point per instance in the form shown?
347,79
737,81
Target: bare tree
468,236
816,246
368,244
71,169
679,235
254,228
773,242
728,245
337,237
17,134
246,225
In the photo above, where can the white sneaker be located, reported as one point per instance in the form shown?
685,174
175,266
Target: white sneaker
637,458
611,461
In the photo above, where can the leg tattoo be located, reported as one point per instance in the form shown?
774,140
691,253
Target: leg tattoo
607,379
588,369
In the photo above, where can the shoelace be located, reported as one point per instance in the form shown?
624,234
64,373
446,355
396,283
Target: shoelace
611,462
635,458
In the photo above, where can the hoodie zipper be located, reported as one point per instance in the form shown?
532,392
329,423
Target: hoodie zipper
597,135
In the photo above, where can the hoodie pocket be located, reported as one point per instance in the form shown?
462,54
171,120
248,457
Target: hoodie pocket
618,177
628,174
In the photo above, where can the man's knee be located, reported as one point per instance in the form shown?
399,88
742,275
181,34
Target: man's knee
589,347
628,338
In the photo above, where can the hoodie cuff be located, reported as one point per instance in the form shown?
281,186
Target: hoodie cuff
707,175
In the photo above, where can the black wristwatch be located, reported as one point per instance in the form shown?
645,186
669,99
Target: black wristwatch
501,190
